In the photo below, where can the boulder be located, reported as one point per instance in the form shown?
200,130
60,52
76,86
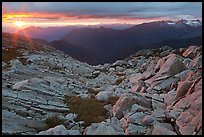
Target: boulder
59,130
160,130
135,118
104,95
20,85
127,100
196,62
113,127
192,52
182,75
187,62
138,88
182,89
119,63
135,130
147,120
135,77
96,73
71,116
172,66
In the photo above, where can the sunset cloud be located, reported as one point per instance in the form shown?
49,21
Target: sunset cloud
98,12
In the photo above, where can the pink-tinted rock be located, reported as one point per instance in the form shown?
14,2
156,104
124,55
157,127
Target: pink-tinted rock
159,130
169,98
138,88
147,120
182,89
134,78
172,66
192,51
196,62
126,101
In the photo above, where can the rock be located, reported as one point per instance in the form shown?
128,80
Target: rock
182,75
59,130
104,95
3,64
187,122
169,98
135,77
119,63
96,73
111,69
137,108
135,130
164,53
166,84
20,85
126,101
135,118
103,128
182,89
159,113
172,66
119,80
36,81
166,48
147,120
119,69
159,130
105,66
157,104
160,62
187,62
196,62
15,63
192,52
71,116
138,88
74,132
94,90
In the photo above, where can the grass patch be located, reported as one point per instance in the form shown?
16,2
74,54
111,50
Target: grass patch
9,54
12,53
89,110
51,122
112,100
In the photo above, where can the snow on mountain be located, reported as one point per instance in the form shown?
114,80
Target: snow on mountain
181,23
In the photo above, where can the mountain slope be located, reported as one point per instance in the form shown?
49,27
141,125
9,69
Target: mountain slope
154,91
79,53
116,44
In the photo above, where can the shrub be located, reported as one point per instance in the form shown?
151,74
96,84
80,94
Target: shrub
112,100
51,122
89,110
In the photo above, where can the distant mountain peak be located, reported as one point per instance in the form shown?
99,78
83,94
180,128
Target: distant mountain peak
183,22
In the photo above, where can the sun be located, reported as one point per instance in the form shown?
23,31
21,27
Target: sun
18,24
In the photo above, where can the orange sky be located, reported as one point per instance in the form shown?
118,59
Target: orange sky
44,14
50,19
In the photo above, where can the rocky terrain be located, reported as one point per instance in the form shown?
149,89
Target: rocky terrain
152,92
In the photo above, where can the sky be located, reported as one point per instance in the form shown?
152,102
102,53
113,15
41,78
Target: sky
45,14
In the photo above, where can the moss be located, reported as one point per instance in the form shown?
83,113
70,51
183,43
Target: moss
89,110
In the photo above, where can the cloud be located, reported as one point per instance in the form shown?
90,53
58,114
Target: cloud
110,9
